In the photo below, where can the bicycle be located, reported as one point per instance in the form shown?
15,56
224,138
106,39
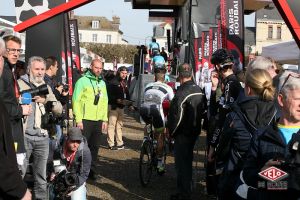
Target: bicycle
148,157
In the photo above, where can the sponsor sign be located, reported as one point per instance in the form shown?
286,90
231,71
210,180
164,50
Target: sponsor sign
232,22
30,13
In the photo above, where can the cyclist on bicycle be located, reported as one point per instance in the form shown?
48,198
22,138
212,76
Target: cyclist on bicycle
152,109
158,61
153,47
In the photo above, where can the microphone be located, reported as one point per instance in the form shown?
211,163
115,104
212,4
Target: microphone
26,98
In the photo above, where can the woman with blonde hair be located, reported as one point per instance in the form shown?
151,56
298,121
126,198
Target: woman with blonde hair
256,111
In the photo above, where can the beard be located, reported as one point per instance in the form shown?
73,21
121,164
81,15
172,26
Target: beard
38,79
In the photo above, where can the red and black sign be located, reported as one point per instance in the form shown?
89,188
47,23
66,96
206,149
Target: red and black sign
290,12
213,34
205,48
198,52
232,17
220,35
75,43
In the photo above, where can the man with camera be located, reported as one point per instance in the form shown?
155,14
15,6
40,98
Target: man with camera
90,107
10,94
36,135
59,90
277,145
71,166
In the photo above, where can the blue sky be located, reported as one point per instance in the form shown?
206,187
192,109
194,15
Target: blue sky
134,22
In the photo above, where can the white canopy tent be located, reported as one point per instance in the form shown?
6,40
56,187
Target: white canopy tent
284,53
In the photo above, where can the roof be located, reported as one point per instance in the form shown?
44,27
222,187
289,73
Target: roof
250,35
270,12
85,23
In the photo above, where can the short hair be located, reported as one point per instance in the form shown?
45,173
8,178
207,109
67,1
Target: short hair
34,59
159,74
12,38
185,71
96,60
2,47
261,62
290,80
260,81
50,61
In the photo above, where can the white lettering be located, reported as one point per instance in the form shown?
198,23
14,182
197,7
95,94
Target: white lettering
233,19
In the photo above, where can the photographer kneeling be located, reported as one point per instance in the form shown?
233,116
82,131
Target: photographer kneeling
71,167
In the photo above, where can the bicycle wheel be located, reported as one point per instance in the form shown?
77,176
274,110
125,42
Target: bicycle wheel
145,165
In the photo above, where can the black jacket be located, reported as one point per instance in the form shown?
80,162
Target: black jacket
230,93
236,133
50,81
81,164
11,184
265,146
186,110
14,109
116,91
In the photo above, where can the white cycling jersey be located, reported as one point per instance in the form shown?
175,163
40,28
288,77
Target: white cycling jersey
157,92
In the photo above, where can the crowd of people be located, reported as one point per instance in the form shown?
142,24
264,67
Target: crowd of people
252,124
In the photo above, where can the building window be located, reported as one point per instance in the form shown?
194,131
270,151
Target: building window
108,38
95,24
94,39
270,32
80,37
279,32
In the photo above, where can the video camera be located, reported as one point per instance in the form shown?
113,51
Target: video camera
65,87
41,90
64,182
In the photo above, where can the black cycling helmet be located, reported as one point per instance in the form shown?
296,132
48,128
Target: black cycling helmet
222,57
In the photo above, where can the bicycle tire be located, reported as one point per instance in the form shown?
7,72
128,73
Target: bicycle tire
145,164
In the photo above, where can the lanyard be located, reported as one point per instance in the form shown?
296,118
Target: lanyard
94,88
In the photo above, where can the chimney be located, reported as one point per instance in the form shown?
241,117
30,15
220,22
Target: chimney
116,20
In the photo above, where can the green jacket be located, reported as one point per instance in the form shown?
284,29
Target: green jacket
84,95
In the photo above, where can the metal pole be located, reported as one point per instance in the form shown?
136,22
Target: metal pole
190,30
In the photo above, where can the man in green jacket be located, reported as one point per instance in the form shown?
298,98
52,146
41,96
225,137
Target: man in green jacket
90,104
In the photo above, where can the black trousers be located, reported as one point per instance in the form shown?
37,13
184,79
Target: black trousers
92,131
183,150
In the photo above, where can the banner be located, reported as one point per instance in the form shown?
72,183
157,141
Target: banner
220,35
75,44
205,49
198,53
30,13
213,35
67,55
232,17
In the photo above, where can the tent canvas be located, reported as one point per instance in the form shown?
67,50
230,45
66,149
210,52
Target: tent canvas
285,52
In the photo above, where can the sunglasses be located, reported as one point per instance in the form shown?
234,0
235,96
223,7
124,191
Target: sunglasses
287,78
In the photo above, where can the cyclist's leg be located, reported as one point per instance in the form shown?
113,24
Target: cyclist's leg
158,123
146,116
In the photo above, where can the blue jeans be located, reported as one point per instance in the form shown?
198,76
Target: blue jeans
58,133
80,193
40,150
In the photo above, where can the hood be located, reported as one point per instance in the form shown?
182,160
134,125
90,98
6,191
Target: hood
26,79
259,112
271,134
89,74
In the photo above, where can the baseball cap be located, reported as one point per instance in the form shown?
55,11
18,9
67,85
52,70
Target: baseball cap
74,133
